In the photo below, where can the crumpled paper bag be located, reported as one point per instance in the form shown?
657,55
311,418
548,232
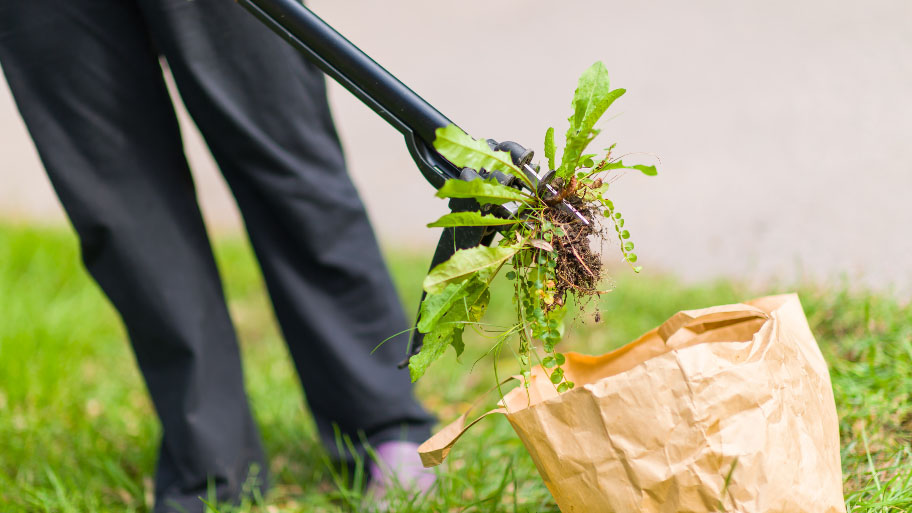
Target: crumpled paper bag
728,408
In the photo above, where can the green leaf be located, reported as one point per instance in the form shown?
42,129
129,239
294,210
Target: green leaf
579,138
435,306
560,359
480,305
463,263
448,331
563,387
646,170
604,102
557,376
460,149
434,346
592,88
549,147
631,257
628,246
475,312
591,99
485,191
469,219
548,362
625,234
572,151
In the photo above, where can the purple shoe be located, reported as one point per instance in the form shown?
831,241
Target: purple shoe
398,466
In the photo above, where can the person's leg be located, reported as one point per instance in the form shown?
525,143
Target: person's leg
263,111
89,87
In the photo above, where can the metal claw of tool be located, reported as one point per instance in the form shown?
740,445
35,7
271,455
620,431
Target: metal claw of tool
539,185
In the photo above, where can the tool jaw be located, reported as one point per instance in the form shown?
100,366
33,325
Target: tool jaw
537,183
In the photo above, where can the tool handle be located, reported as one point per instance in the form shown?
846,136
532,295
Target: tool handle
363,77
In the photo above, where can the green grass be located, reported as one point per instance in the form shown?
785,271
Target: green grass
77,432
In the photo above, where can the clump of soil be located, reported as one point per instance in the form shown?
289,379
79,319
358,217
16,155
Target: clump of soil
579,269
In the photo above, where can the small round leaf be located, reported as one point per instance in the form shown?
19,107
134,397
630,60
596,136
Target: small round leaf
557,376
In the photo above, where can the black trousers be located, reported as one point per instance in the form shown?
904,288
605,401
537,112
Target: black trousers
86,77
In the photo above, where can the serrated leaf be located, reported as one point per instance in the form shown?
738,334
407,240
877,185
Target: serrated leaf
480,305
592,87
448,331
457,343
603,104
646,170
591,99
435,306
463,263
549,147
572,151
469,219
459,148
485,191
434,346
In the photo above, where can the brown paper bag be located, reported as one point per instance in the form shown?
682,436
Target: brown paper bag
727,408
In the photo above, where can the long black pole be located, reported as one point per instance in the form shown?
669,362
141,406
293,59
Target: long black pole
348,65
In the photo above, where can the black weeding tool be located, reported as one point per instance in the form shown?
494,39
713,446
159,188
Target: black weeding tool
415,118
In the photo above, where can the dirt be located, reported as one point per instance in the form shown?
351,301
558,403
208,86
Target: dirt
579,269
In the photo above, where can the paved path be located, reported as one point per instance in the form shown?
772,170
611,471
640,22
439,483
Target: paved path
784,128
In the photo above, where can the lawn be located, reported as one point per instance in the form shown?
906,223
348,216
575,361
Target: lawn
77,431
